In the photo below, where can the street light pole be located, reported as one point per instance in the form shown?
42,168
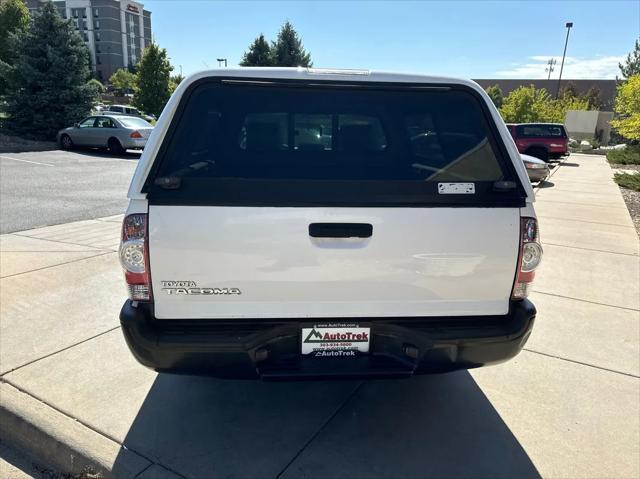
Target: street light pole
568,25
220,60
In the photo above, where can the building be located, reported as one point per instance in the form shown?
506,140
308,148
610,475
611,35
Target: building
607,87
116,31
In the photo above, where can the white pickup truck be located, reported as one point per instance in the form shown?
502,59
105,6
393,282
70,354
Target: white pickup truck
306,223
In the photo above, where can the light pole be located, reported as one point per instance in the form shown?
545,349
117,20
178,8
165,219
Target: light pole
568,25
220,60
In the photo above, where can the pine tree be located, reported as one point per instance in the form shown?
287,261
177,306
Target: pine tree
258,55
288,50
48,85
632,64
153,80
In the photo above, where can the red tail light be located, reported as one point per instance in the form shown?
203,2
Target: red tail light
134,256
136,134
529,258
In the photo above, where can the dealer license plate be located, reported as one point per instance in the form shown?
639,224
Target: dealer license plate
335,340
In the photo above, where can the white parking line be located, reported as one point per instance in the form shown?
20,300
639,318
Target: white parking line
25,161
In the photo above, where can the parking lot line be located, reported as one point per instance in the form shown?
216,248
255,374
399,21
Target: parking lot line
25,161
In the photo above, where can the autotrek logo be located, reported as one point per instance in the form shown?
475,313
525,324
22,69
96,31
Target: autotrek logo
315,336
190,288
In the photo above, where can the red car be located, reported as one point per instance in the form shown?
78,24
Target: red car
542,140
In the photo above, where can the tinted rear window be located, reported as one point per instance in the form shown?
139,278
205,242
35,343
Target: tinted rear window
541,131
365,145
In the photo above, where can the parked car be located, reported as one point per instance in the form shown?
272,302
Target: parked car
128,110
115,132
396,236
542,140
537,169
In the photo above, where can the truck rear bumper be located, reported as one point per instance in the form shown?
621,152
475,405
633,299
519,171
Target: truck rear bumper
270,348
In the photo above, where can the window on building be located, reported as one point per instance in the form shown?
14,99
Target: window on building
98,60
96,24
84,13
75,13
86,37
97,35
96,12
98,49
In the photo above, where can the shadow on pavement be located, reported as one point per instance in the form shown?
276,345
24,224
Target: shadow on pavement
546,184
571,164
430,426
102,153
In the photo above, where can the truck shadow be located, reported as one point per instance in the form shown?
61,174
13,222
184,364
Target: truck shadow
430,426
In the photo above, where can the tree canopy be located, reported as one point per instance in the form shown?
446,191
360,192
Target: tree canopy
529,105
495,93
153,80
258,55
14,19
631,65
48,86
123,80
627,108
286,51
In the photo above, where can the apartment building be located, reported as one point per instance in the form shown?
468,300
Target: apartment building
116,31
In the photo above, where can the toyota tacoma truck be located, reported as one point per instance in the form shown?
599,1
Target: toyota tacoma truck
308,223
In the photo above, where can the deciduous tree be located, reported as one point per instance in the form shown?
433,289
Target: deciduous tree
153,80
123,80
627,108
14,19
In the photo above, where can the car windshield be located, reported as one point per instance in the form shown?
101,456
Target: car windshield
133,122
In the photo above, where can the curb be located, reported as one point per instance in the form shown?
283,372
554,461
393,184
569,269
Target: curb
60,442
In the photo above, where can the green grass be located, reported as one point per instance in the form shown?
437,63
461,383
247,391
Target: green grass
629,156
628,181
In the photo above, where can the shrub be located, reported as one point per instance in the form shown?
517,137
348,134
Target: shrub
629,156
627,109
627,180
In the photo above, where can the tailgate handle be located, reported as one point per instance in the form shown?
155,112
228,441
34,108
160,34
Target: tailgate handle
340,230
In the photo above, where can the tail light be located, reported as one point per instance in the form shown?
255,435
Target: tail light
136,134
134,256
529,258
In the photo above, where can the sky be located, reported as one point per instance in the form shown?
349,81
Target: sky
469,39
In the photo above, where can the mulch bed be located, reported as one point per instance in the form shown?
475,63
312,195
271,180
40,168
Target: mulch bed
632,199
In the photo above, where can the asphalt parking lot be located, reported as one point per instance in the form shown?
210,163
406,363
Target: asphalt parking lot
53,187
566,407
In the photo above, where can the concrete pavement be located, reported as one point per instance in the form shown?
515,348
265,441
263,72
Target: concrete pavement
566,407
